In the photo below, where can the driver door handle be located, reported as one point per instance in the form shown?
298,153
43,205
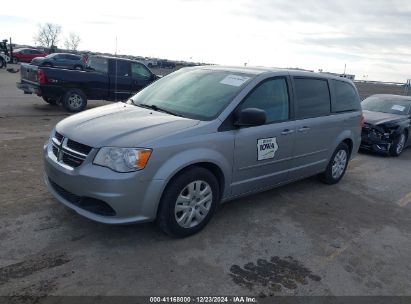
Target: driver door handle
287,132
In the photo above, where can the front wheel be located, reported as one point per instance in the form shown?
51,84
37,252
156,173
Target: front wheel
337,166
398,145
74,100
188,202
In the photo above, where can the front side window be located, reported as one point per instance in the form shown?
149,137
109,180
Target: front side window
313,97
193,93
346,98
139,71
272,97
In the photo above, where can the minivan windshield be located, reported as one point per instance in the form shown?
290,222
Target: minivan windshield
387,104
193,93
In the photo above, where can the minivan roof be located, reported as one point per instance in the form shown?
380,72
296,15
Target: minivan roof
263,70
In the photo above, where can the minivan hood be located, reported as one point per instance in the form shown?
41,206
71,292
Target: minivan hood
378,118
121,125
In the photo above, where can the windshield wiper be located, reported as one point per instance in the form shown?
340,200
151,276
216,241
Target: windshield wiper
158,109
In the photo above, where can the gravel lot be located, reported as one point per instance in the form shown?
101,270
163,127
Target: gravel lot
306,238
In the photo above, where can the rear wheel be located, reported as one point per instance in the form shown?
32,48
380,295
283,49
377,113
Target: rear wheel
2,63
49,100
337,166
398,145
188,202
74,100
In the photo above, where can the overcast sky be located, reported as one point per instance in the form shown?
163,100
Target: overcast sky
372,37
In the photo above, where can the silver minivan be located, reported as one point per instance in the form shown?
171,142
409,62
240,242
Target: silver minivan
198,137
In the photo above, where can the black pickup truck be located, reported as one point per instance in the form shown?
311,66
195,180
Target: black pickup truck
105,78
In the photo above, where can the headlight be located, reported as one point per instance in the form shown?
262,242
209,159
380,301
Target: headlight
122,159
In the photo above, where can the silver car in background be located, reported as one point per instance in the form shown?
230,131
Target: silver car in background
198,137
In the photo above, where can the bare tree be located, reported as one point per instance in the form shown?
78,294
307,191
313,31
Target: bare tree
72,41
48,35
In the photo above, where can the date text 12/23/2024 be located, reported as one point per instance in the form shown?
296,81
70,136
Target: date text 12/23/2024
205,299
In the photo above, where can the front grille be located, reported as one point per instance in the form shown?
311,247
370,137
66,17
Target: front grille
78,147
87,203
58,136
69,152
71,160
55,151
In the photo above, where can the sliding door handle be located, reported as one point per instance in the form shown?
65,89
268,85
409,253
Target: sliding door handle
303,129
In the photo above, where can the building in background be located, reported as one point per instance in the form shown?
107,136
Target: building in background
348,76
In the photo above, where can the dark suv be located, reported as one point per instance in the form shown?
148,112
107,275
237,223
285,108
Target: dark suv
61,60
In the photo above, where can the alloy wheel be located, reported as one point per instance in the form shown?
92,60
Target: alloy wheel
401,144
193,204
339,163
75,101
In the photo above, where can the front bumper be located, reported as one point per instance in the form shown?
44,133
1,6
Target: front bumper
376,144
123,197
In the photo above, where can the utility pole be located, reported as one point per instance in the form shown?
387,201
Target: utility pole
345,67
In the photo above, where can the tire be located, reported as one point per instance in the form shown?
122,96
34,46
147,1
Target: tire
337,166
49,100
399,145
78,67
74,100
196,215
2,63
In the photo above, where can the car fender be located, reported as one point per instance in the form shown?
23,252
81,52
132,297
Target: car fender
193,156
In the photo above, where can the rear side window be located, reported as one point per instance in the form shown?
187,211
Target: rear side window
346,98
272,97
121,68
72,57
313,97
98,64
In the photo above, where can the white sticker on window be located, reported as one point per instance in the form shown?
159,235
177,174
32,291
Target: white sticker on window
234,80
398,108
266,148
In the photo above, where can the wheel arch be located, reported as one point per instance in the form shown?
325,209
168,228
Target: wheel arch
349,139
349,143
209,159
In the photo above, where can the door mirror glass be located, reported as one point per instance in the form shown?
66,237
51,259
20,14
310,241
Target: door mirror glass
251,117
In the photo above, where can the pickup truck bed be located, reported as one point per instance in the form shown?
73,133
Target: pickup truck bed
95,85
72,88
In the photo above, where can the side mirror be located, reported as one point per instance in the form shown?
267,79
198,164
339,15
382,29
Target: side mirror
250,117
